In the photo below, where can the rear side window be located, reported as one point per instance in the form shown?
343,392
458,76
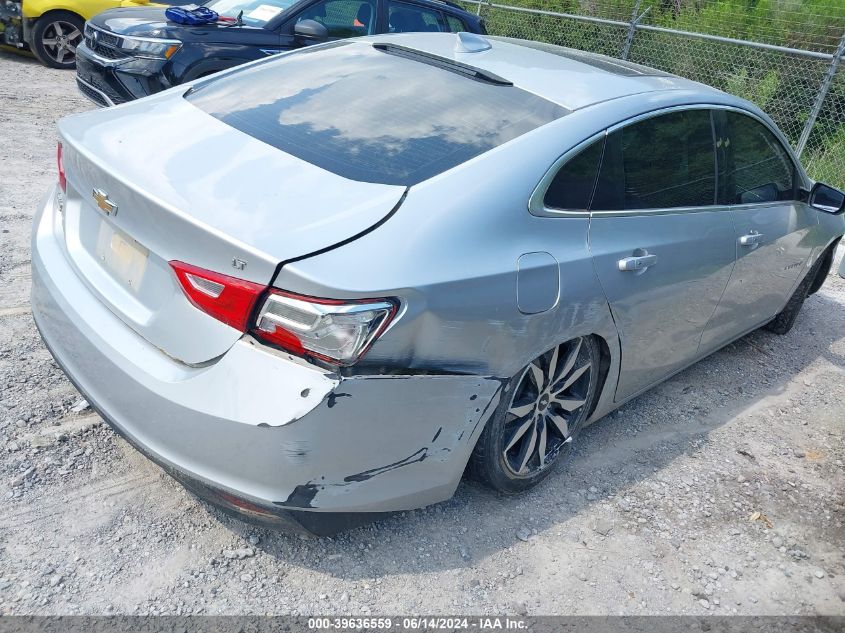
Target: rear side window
663,162
406,18
369,115
572,187
455,24
758,167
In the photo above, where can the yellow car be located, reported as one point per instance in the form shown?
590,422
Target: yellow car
52,29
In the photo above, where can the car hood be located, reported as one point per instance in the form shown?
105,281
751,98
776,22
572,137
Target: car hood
142,22
150,22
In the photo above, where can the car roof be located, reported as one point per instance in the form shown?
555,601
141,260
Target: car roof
571,78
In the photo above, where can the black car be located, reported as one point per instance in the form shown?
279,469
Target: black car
133,52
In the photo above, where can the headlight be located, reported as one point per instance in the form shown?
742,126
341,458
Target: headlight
150,48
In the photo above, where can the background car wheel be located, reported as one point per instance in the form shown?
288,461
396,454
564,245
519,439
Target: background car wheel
55,38
541,411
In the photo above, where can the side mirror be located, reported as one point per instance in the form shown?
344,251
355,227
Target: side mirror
825,198
311,30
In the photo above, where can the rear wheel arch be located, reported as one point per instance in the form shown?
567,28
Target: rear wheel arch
783,321
604,350
485,462
204,68
604,370
190,76
605,362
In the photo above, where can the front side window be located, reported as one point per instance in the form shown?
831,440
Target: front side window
343,18
663,162
758,167
572,186
406,18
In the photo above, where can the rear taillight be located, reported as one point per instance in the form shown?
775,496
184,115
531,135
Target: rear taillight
226,298
338,332
61,165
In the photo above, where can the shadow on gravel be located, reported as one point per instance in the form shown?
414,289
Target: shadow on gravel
635,442
24,57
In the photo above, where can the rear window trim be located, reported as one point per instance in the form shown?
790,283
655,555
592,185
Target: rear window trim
537,201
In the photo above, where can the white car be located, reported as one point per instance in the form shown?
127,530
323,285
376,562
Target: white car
319,286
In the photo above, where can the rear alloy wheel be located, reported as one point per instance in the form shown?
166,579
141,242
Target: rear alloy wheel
55,38
538,417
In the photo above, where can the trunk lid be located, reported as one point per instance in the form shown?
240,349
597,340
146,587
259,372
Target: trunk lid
188,187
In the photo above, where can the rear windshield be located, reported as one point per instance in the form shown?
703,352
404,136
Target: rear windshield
369,115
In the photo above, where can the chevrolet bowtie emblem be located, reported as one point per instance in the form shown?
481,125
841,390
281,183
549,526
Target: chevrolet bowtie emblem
103,202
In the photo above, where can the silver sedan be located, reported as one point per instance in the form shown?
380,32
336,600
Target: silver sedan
324,285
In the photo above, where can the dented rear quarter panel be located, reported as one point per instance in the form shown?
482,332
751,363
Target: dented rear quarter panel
450,253
278,431
359,448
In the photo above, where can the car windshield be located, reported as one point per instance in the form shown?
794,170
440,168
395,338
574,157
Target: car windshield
255,12
370,115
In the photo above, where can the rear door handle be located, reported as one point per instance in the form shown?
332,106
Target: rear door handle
639,262
752,239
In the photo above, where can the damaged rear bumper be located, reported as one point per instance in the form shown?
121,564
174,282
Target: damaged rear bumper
257,432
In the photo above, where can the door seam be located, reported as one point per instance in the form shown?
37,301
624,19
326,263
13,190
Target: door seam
727,283
607,301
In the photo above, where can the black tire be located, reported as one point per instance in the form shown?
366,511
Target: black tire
55,37
825,263
785,319
492,463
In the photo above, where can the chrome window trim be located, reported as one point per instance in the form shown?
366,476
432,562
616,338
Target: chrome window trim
710,208
536,203
537,207
756,205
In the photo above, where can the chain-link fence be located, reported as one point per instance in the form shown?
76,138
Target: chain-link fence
784,55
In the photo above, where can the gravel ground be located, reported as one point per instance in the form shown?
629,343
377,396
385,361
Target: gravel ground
721,491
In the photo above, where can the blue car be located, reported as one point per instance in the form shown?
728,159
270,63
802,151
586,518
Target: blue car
131,53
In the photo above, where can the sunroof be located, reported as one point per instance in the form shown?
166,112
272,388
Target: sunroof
372,116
